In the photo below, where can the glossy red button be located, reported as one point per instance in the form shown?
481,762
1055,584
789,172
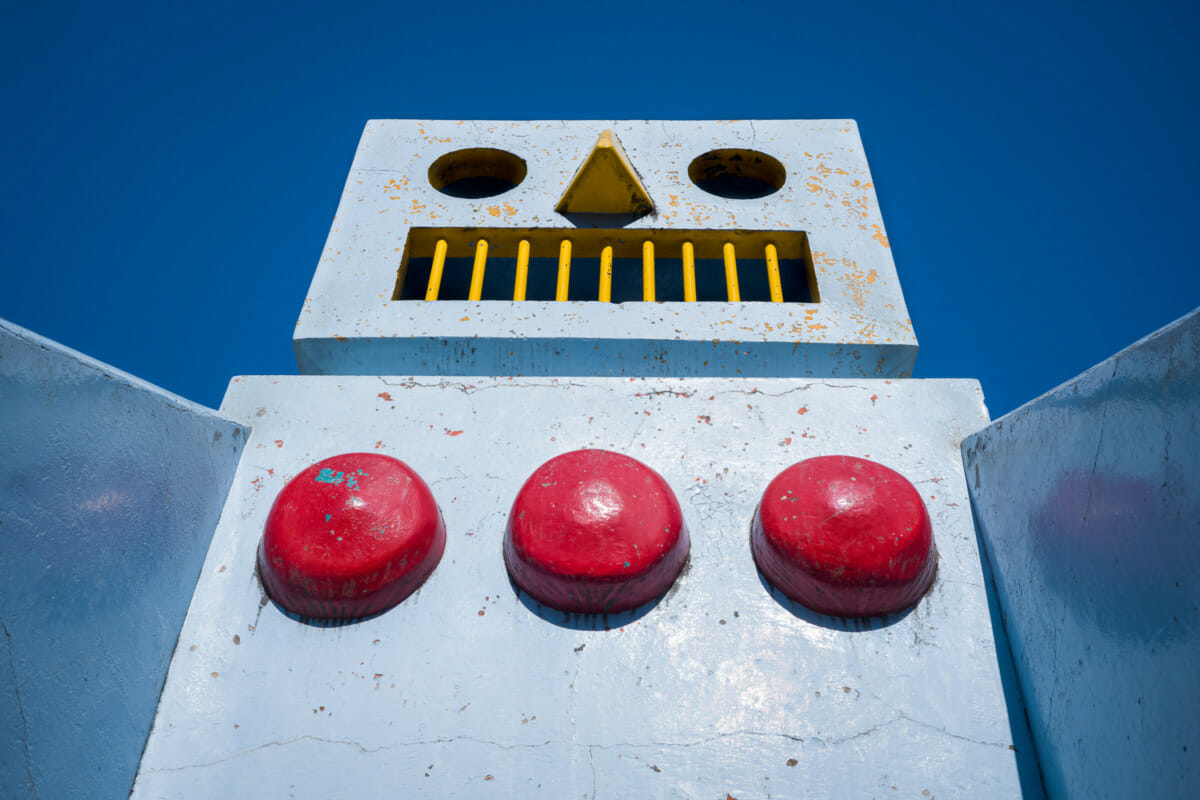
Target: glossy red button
595,532
844,536
350,536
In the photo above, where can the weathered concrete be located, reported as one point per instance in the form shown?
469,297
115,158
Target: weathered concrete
109,492
860,327
1088,501
470,689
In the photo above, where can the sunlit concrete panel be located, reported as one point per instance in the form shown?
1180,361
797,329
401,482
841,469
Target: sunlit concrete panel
109,493
1088,501
578,357
470,689
850,321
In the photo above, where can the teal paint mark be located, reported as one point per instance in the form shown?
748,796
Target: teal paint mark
327,476
328,517
351,482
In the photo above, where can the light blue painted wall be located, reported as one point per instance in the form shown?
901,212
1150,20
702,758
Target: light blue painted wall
1088,502
469,689
859,328
566,357
109,493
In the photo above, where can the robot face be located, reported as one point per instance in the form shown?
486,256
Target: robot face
598,258
466,248
682,255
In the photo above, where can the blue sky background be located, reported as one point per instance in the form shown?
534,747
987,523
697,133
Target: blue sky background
170,173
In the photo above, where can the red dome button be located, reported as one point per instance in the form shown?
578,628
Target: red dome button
349,537
844,536
595,532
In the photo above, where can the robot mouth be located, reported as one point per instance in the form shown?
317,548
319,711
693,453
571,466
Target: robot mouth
613,265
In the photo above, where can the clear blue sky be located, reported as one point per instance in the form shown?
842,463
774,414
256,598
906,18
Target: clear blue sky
170,172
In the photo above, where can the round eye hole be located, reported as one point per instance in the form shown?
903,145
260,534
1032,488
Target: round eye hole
737,174
476,172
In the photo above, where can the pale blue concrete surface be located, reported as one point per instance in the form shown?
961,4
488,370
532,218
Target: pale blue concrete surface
470,689
598,357
1088,502
859,327
109,493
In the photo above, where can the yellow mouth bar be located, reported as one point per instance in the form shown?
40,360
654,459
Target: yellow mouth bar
606,265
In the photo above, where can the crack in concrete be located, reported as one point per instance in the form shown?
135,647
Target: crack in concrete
12,665
458,475
470,388
670,392
1100,439
599,383
571,700
755,390
832,741
960,737
347,742
592,747
592,764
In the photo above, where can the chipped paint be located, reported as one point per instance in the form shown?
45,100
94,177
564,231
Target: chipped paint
829,194
697,676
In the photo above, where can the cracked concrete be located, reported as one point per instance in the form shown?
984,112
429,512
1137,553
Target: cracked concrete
99,562
1093,553
857,324
348,742
16,688
718,684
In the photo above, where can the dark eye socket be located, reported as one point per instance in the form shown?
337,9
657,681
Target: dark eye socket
477,172
737,174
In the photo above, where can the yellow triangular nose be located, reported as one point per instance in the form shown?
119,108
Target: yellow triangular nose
606,184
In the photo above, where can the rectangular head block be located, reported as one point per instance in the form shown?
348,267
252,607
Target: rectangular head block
639,248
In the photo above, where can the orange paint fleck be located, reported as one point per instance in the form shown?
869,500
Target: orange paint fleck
379,445
803,410
279,442
494,210
453,433
880,236
385,396
705,418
